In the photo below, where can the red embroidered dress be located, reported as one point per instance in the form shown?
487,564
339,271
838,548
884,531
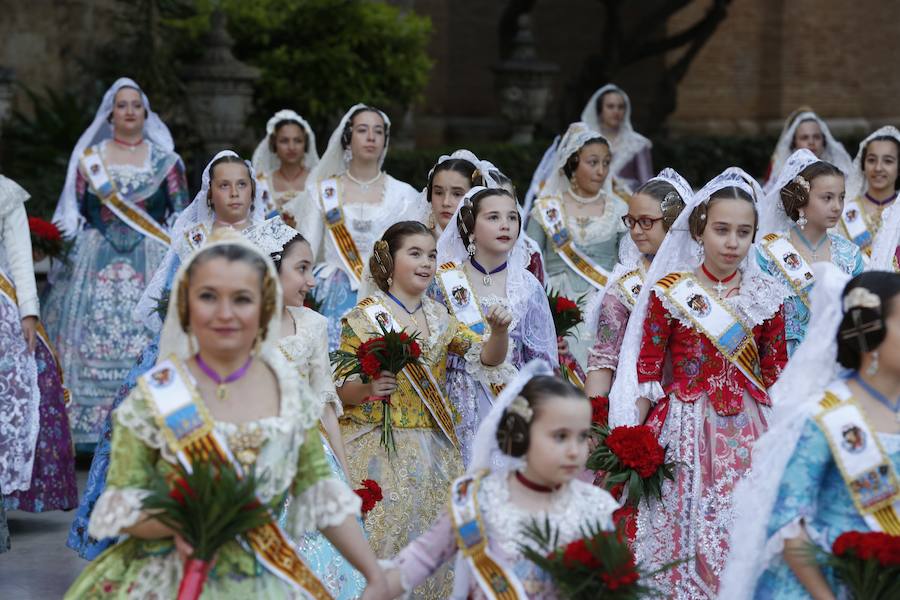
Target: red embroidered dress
708,415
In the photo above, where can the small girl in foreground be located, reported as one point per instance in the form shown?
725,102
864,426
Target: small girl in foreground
526,456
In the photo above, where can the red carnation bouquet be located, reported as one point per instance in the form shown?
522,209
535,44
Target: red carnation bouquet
600,411
566,313
46,240
631,456
391,351
599,565
370,492
868,563
209,506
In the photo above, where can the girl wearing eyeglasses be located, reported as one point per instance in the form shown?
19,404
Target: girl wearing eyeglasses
653,209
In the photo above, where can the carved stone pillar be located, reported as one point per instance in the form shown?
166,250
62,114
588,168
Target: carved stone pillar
220,90
523,85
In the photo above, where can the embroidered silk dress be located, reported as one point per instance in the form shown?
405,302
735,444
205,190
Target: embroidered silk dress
307,352
615,310
88,308
708,417
813,497
844,254
574,506
290,463
415,480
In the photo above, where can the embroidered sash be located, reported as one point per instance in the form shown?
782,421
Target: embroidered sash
497,581
552,217
196,236
714,319
188,430
853,221
8,290
793,267
629,286
463,303
418,376
867,470
330,198
131,214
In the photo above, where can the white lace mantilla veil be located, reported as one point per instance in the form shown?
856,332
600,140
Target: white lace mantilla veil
271,235
834,150
678,252
67,216
174,340
486,452
266,161
197,212
794,398
629,255
521,285
629,142
487,169
772,217
856,180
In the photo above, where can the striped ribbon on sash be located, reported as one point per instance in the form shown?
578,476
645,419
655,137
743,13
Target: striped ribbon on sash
551,215
330,198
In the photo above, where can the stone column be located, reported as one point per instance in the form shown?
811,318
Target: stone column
220,90
523,85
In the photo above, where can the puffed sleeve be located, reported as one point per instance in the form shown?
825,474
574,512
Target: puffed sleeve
17,243
319,499
320,377
425,554
654,344
610,333
772,347
307,212
131,464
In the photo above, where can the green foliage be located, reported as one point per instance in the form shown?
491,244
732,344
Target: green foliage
35,147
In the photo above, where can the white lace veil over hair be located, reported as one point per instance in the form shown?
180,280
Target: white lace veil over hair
772,216
834,152
487,170
67,216
628,142
520,283
678,252
856,180
332,161
266,161
174,340
577,135
794,398
198,212
629,255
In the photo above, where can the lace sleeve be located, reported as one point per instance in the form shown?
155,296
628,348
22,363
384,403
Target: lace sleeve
305,209
320,500
611,324
320,377
536,324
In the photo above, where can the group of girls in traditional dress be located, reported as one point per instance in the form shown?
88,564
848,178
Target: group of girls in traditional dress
698,305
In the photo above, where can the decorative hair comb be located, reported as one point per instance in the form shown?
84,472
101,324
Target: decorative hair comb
860,297
520,407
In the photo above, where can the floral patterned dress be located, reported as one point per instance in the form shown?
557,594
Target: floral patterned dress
708,417
88,308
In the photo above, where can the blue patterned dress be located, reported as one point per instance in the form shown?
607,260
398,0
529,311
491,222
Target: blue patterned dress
87,309
844,254
813,489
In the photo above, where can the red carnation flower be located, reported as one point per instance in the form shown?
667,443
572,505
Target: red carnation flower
637,448
371,366
600,410
44,229
180,489
374,489
622,577
414,350
563,304
627,515
370,494
577,553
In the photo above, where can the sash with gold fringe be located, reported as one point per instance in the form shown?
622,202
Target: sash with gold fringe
462,302
188,430
9,290
418,376
330,197
629,286
131,214
551,215
793,267
867,470
497,581
853,222
714,319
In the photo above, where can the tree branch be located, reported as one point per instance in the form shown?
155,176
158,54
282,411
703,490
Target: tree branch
702,29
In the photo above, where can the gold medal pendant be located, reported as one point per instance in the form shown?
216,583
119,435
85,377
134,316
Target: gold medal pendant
221,392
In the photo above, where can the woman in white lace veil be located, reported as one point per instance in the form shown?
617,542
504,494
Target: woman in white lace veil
608,311
191,230
464,163
285,452
872,186
578,200
609,112
288,136
124,185
805,129
708,396
362,202
531,333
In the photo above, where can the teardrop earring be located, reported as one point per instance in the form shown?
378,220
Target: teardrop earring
872,369
348,155
699,253
802,221
471,248
390,281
